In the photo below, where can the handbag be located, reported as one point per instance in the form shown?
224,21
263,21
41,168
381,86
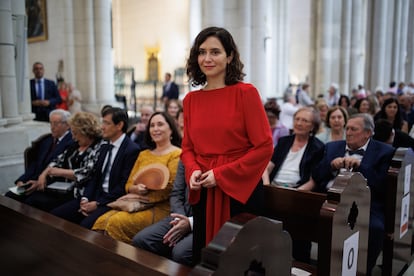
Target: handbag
130,203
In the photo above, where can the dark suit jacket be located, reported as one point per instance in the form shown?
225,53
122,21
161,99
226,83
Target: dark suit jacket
374,167
51,93
179,194
121,167
43,158
171,93
311,157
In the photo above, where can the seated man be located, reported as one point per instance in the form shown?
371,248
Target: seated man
110,173
49,149
369,157
171,237
384,132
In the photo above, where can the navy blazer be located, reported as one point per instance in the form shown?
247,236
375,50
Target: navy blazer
374,167
51,93
120,170
311,157
171,93
43,158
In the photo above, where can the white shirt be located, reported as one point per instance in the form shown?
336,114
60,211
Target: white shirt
289,174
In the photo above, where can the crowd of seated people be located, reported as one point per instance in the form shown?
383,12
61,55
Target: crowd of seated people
106,162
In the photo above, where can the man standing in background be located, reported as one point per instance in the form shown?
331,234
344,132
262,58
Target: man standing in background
169,90
44,94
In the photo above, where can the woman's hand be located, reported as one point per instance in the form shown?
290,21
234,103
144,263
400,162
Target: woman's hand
208,180
195,180
141,189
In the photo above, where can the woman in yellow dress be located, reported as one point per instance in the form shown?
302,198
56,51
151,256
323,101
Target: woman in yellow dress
164,141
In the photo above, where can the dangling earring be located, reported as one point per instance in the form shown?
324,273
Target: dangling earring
171,137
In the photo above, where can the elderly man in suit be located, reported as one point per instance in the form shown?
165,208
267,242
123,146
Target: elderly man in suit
111,172
172,237
49,149
369,157
44,94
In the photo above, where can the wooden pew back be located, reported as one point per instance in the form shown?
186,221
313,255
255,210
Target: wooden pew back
398,242
35,241
323,218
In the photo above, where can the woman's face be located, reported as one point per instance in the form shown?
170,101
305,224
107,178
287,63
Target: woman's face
344,103
79,137
172,109
303,123
337,120
364,107
212,59
323,110
159,129
391,110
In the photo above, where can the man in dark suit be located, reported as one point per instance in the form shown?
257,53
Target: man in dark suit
111,172
50,148
172,237
169,90
44,94
369,157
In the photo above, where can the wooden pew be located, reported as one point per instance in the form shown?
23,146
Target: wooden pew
327,219
247,245
42,244
398,242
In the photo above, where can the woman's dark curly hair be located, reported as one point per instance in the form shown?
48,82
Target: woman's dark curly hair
234,70
175,135
398,120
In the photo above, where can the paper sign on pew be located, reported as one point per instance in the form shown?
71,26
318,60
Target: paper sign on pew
350,255
405,202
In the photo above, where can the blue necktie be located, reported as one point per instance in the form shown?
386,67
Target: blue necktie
39,90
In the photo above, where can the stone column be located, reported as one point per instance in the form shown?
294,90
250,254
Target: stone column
404,40
396,45
241,24
21,61
358,31
69,61
258,63
278,74
345,55
104,68
8,85
410,45
195,19
85,50
323,61
213,13
378,45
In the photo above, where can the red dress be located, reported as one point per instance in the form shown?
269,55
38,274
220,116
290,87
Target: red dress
225,130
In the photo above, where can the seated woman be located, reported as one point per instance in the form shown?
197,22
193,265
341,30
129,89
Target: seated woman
391,111
295,156
293,160
164,141
335,125
74,164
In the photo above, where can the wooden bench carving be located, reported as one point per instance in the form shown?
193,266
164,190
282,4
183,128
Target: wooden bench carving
325,218
247,245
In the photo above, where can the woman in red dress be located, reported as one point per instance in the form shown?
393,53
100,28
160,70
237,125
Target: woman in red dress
227,141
